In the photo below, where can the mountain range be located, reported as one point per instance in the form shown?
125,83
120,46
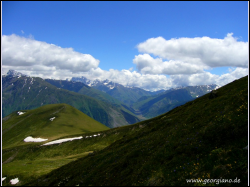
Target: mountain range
128,95
205,138
110,103
24,93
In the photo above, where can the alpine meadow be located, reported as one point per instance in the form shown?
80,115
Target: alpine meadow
125,93
208,141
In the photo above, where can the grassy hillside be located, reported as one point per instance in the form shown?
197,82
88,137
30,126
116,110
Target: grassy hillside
202,139
36,123
30,92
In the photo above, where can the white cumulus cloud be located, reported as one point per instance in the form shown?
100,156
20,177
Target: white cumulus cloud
198,54
207,78
149,65
185,60
29,54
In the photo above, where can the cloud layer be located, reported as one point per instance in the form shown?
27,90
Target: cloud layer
149,65
157,82
190,55
38,56
185,60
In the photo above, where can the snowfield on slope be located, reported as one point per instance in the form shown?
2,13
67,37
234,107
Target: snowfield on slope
62,140
31,139
14,181
69,139
20,113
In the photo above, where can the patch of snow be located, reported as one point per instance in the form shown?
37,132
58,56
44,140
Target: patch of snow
111,87
31,82
29,88
197,96
46,88
105,83
216,87
93,135
14,181
12,84
62,140
31,139
20,113
3,178
51,119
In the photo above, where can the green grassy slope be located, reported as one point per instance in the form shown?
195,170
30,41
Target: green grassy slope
203,138
36,123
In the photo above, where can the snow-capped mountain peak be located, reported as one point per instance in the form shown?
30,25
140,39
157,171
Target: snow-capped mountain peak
93,83
14,73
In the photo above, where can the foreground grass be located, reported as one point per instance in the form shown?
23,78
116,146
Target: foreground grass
28,162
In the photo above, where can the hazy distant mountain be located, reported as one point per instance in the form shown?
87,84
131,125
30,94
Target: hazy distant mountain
125,105
14,73
23,93
125,94
82,88
151,106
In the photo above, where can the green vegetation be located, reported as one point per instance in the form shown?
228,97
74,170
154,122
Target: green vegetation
84,89
151,106
26,93
37,123
202,139
126,95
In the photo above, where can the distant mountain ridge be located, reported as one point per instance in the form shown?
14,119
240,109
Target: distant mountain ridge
23,93
146,103
14,73
151,106
125,94
132,104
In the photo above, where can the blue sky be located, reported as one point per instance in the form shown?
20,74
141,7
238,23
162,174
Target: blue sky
121,39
